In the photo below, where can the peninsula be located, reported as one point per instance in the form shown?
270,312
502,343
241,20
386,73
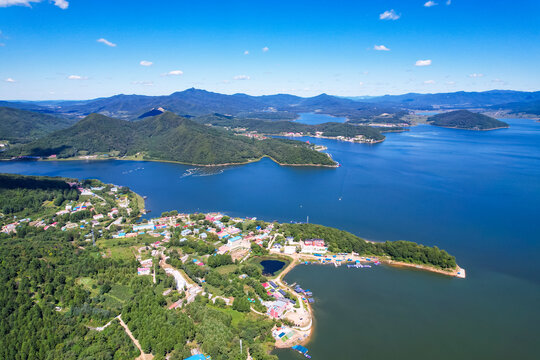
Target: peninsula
79,257
165,137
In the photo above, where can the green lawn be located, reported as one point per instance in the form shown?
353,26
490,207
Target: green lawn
237,316
226,269
87,283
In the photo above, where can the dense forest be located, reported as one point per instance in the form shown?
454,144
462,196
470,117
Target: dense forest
21,126
56,289
278,127
342,241
464,119
165,137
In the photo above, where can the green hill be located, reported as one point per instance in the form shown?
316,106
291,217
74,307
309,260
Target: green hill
464,119
19,126
166,137
278,127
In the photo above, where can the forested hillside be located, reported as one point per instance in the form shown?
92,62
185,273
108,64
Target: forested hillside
342,241
464,119
278,127
165,137
20,126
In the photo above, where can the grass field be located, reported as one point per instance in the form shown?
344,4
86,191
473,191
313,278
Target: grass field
236,315
226,269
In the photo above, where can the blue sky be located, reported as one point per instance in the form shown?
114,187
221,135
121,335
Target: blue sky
50,49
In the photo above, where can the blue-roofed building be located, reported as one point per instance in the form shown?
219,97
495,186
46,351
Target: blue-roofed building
198,357
236,238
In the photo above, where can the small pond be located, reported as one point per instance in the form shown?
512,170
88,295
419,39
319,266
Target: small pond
270,267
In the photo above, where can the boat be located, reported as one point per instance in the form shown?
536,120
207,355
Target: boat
302,350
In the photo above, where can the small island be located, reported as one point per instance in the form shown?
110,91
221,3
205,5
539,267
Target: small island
466,120
77,256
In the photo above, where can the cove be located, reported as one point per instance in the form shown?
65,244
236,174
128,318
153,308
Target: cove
475,194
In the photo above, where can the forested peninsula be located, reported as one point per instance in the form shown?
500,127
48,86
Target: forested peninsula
77,259
166,137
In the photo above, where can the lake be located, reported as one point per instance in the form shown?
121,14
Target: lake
315,119
475,194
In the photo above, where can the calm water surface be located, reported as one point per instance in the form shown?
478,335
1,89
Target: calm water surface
270,267
315,119
475,194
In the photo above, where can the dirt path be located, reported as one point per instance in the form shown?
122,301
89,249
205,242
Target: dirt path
143,356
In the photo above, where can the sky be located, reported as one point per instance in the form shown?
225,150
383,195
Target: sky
82,49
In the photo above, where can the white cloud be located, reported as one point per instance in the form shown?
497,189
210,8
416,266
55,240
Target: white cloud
174,73
241,77
6,3
2,44
381,48
77,77
448,2
9,80
450,83
389,15
265,49
430,3
360,83
62,4
106,42
423,63
146,63
246,52
429,82
145,83
475,75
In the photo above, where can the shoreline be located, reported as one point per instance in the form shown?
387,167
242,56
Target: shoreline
295,260
459,128
180,162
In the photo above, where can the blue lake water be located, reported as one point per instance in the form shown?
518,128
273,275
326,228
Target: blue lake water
315,119
475,194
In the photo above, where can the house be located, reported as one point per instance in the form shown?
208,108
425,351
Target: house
143,271
98,216
203,236
185,232
222,235
313,246
142,227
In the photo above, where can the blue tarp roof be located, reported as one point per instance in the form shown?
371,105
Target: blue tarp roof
300,348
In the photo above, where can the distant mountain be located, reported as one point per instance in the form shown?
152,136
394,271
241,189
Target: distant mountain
464,119
166,137
153,112
523,107
195,102
454,100
19,126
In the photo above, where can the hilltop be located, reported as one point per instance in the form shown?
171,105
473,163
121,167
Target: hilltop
19,126
464,119
167,137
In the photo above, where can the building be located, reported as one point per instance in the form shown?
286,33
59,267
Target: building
150,226
143,271
289,250
313,246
